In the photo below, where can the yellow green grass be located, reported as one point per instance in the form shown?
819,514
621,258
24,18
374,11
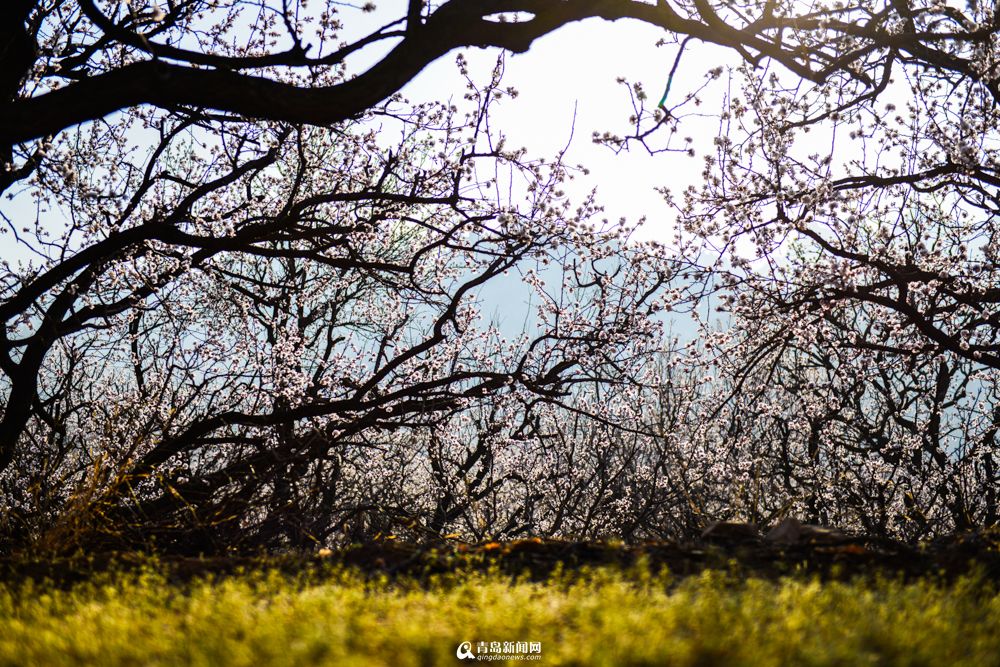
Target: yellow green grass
598,617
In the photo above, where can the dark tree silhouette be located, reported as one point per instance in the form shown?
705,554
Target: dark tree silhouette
235,280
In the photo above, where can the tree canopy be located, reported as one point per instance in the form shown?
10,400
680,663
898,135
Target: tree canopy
250,311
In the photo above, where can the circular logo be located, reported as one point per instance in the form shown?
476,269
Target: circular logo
464,651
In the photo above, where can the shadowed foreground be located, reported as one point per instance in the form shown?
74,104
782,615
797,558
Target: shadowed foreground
735,548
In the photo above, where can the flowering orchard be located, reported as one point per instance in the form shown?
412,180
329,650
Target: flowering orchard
248,309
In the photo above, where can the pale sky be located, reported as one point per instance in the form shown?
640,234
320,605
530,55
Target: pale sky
570,72
573,71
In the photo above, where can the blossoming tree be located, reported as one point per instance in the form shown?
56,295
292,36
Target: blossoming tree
248,308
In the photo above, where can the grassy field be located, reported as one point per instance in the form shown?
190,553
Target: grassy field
594,617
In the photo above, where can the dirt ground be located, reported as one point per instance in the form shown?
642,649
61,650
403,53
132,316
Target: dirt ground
838,557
